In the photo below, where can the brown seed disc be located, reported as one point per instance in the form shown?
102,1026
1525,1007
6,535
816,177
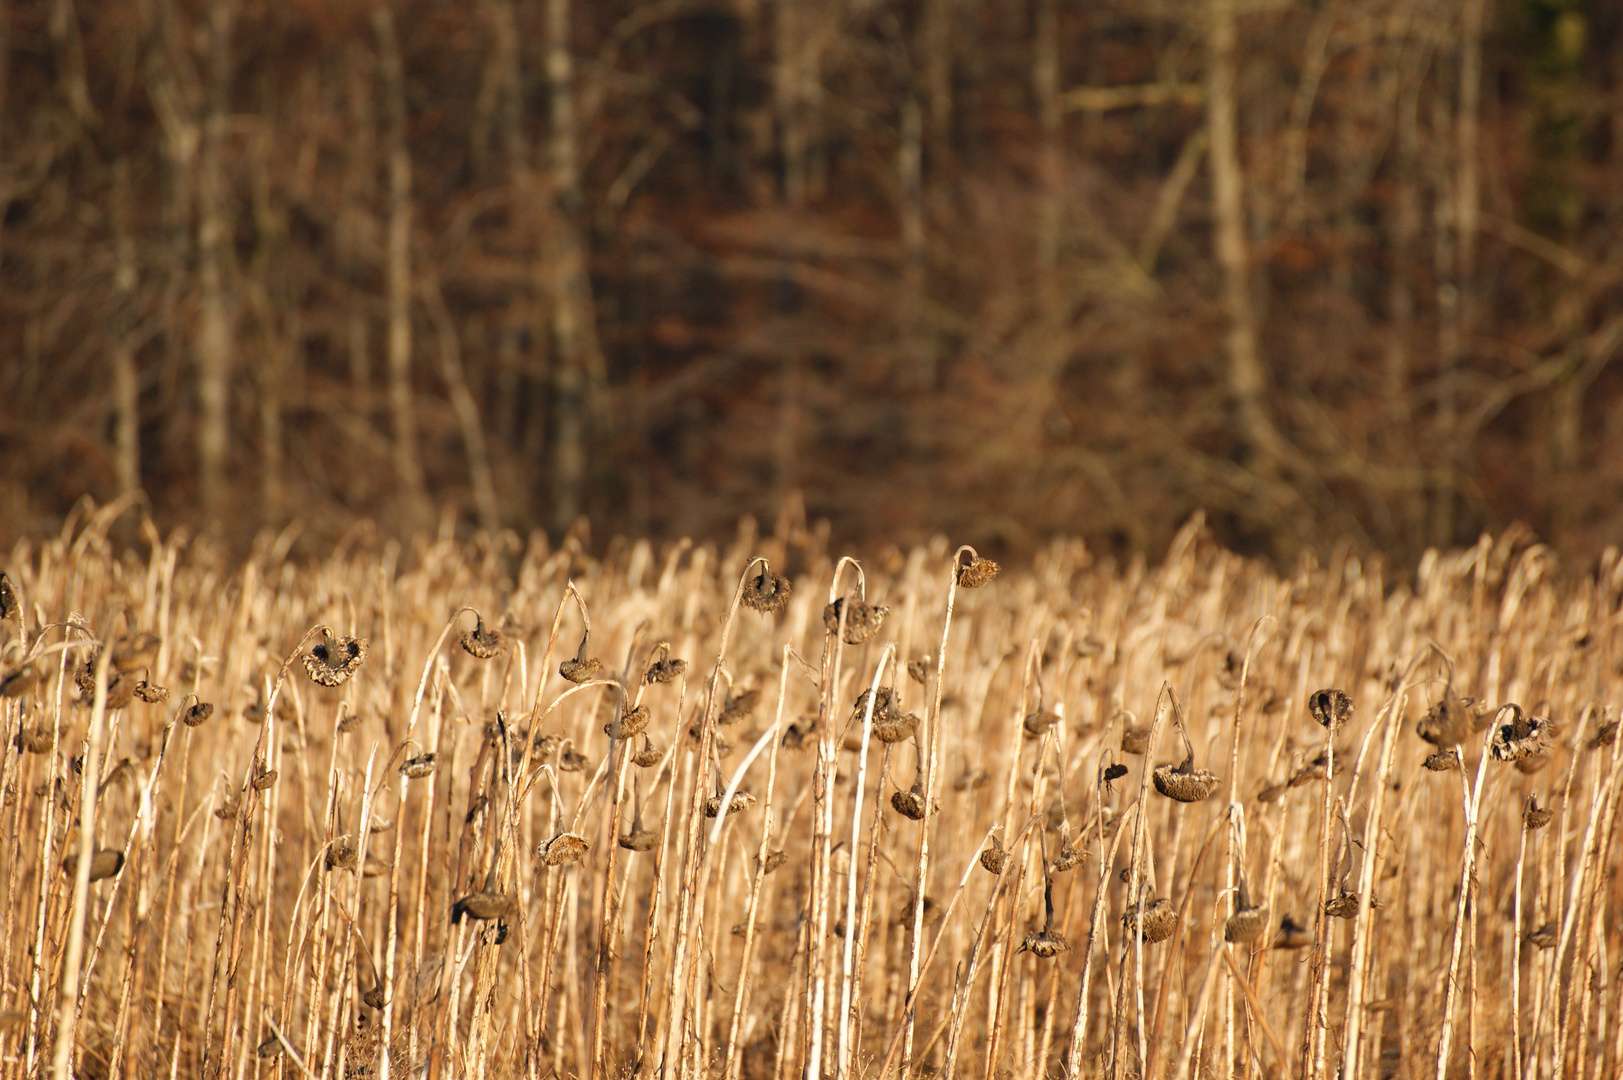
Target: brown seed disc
1272,792
918,670
19,682
1135,740
8,598
993,857
774,860
1604,737
1160,919
332,661
269,1048
1246,925
767,592
228,808
1331,708
151,694
265,779
341,854
196,713
572,760
1532,763
374,997
1069,858
1188,786
36,740
1345,905
563,849
976,572
1518,735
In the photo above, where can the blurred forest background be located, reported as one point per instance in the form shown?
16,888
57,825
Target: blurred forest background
1005,268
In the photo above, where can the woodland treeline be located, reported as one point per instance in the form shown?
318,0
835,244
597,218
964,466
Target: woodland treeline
1005,268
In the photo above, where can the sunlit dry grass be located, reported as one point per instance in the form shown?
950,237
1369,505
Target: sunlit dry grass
494,809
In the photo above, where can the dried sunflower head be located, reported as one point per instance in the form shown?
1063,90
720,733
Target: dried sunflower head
993,857
572,760
563,849
581,669
741,801
1545,937
629,724
264,778
1605,735
1134,740
151,694
1069,858
418,767
482,905
18,682
1517,735
910,804
648,756
1246,924
36,740
663,671
1344,905
862,620
739,705
773,860
638,838
976,572
9,608
919,670
1045,943
1452,721
1535,816
1442,761
1038,722
197,712
1160,919
104,863
342,854
332,660
1331,708
484,642
1292,936
767,592
1185,783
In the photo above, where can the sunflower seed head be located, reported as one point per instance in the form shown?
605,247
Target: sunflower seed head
563,849
976,572
1534,816
483,642
1331,708
862,620
1160,919
1044,943
767,592
333,660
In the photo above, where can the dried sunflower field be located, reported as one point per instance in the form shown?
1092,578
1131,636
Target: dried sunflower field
498,809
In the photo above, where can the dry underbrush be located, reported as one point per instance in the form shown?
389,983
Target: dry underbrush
492,810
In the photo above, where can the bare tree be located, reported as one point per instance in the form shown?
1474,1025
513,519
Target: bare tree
215,347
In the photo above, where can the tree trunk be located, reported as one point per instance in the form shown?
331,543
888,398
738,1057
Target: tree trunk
397,268
1247,378
578,372
126,385
214,344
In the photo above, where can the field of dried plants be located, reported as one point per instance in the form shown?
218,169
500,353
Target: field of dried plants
498,809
